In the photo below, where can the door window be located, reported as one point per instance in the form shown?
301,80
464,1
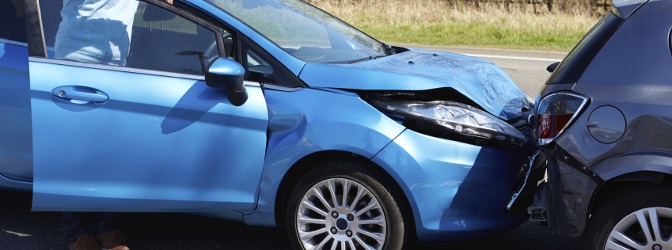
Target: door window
130,34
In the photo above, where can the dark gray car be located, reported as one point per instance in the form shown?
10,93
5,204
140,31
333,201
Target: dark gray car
604,122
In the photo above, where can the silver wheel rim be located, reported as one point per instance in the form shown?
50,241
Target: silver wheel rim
648,228
339,213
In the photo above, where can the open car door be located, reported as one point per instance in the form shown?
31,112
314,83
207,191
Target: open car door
148,135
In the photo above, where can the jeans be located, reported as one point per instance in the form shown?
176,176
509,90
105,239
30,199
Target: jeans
79,223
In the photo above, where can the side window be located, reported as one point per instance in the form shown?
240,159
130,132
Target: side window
12,18
260,69
127,33
164,41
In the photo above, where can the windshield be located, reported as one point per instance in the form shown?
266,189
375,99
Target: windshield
304,31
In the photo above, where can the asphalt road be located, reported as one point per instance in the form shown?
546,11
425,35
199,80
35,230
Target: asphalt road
21,229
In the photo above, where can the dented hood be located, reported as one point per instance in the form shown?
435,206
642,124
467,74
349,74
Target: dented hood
480,80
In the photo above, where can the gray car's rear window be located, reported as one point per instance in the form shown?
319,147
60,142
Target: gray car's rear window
573,66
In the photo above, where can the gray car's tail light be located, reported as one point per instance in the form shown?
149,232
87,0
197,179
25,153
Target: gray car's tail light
555,113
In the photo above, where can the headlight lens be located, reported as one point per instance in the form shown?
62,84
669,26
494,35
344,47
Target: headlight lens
453,120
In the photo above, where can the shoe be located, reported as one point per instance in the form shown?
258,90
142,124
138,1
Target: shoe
85,242
112,240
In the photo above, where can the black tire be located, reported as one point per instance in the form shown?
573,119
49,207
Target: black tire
325,223
619,213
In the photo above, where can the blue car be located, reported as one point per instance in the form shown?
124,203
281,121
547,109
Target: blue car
269,112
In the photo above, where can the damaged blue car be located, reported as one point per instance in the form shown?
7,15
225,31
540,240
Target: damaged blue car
269,112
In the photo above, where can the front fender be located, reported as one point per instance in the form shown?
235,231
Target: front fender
306,122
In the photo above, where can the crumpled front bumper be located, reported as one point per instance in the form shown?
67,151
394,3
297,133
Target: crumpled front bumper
457,191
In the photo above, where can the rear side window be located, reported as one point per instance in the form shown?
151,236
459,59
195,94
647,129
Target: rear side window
12,19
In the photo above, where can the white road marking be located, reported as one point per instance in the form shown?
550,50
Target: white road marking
17,233
516,58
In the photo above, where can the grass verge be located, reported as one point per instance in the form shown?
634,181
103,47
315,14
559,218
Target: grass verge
433,22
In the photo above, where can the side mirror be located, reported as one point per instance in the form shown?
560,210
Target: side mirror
228,74
552,67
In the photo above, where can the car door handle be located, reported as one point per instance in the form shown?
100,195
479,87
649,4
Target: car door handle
80,95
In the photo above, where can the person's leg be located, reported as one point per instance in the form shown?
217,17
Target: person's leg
106,222
77,231
107,232
74,224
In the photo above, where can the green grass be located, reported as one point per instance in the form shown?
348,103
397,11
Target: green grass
478,34
428,22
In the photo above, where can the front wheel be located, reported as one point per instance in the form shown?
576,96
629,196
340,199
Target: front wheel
342,205
639,217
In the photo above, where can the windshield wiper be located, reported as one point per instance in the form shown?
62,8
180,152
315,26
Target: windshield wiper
369,58
388,49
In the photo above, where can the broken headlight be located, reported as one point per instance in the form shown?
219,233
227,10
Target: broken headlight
452,120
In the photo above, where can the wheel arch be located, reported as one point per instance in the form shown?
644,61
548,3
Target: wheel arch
630,169
612,187
614,174
301,167
617,204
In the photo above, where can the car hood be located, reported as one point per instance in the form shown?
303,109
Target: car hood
480,80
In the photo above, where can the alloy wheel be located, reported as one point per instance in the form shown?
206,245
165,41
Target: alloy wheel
340,213
647,228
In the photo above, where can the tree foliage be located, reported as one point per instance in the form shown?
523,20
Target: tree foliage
593,7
